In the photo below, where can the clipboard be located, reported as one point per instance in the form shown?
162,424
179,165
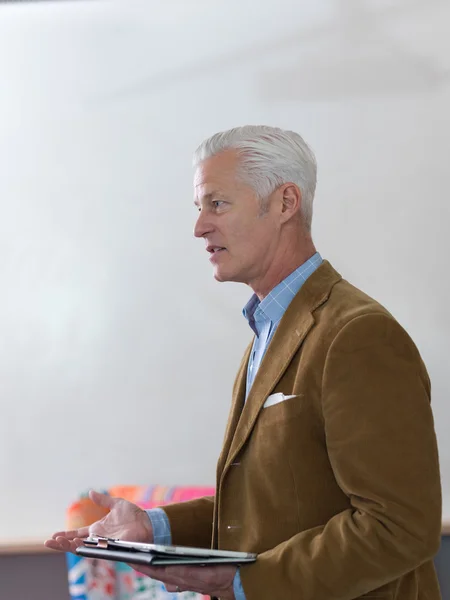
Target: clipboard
157,554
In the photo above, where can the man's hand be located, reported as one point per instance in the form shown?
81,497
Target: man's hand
125,520
210,581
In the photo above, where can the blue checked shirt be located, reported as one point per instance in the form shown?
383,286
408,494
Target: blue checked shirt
263,317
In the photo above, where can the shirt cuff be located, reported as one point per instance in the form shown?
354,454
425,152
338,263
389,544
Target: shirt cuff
237,587
162,535
161,526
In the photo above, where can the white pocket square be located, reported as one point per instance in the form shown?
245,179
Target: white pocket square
277,398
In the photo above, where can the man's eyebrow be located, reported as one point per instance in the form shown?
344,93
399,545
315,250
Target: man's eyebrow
210,196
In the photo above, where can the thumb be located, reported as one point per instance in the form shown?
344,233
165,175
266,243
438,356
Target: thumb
102,500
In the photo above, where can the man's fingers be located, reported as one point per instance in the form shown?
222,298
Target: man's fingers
75,543
72,534
102,500
63,534
153,572
171,576
62,544
52,544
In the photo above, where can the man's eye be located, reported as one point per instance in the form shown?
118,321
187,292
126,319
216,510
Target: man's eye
217,203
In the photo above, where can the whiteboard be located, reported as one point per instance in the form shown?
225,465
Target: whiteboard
112,326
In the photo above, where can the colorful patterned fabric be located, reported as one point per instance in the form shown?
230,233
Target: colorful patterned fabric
91,579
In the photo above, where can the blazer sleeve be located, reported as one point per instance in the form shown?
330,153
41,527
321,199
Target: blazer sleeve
191,522
382,447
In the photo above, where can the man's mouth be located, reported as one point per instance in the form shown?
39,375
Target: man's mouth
215,249
215,252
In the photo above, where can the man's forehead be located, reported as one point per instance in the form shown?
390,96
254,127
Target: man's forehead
207,177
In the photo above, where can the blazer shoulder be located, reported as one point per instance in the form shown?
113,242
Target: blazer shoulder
355,318
346,302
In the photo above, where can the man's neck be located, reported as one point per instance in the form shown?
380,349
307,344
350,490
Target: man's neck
276,275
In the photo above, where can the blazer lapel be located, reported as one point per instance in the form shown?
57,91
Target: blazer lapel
276,360
290,334
236,408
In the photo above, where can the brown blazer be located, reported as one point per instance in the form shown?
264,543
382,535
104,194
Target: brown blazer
337,489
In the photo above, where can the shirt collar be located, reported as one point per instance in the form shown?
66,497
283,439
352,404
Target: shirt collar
274,305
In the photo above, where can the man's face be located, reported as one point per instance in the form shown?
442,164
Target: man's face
240,241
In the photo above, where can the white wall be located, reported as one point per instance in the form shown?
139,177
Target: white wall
117,348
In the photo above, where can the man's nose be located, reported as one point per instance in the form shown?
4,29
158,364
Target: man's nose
203,225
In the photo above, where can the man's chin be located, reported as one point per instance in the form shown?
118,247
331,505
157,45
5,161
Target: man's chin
222,276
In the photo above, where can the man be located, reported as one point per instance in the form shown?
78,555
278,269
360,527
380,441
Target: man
329,468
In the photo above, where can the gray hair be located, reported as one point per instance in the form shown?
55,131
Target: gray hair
269,157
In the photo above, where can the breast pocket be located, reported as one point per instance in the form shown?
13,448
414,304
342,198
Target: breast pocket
281,410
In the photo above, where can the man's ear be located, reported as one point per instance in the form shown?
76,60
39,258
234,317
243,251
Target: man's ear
291,201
